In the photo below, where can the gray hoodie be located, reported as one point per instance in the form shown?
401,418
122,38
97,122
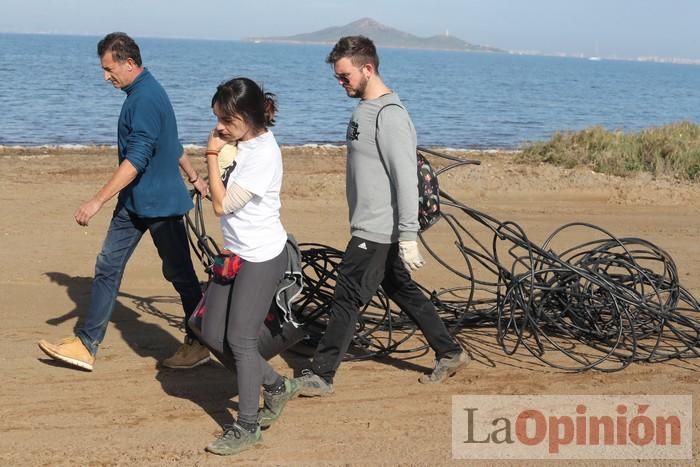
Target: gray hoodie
382,191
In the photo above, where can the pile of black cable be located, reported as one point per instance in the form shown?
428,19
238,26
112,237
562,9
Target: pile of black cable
602,304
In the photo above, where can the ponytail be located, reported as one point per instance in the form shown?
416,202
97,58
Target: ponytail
270,109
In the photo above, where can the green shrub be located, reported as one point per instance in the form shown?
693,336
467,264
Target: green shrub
671,150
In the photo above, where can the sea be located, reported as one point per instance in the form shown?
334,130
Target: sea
52,92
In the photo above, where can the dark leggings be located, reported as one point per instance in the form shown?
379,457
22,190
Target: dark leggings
247,301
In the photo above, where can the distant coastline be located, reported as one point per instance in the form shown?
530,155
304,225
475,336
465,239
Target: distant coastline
327,43
388,37
382,35
644,59
533,53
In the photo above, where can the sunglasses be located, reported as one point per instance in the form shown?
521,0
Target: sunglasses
343,78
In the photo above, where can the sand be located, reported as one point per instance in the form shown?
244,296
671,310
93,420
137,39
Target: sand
130,412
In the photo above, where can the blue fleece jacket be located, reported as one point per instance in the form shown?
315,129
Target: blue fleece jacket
147,137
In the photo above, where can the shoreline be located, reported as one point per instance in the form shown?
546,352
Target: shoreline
98,149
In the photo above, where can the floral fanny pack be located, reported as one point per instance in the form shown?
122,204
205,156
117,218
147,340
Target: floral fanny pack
225,267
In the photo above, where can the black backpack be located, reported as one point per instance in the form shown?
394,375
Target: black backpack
428,187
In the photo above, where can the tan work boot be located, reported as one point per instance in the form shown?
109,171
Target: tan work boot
190,354
70,350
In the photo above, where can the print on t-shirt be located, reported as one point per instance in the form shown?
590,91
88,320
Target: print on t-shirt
353,133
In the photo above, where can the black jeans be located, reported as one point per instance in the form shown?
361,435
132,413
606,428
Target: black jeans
365,266
125,232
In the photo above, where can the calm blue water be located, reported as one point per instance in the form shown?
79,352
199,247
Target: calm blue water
51,92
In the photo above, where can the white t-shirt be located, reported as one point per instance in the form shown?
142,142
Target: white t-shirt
255,232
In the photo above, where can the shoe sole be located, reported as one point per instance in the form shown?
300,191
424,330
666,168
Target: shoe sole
230,452
182,367
71,361
301,393
226,452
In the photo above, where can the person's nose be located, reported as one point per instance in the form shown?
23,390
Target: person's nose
105,76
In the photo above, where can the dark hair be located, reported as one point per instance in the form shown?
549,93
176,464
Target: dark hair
359,49
243,97
122,47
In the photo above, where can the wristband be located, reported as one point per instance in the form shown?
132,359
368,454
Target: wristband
211,152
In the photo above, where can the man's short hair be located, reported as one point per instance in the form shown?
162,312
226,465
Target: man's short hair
359,49
122,47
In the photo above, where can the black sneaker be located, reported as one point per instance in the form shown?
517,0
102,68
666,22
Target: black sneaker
446,367
274,403
233,440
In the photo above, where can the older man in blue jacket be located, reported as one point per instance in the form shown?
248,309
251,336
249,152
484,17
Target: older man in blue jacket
152,196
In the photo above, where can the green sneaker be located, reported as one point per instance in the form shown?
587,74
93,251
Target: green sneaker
274,403
233,440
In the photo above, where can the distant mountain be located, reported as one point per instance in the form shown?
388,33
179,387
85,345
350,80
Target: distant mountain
382,35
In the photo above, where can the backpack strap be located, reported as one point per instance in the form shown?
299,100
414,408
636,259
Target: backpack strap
376,130
428,187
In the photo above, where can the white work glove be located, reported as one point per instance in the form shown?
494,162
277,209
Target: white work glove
410,256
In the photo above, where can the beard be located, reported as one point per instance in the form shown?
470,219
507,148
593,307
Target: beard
359,90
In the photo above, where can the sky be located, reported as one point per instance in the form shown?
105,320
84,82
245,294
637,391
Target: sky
622,28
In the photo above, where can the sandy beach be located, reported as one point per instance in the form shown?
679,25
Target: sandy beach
131,412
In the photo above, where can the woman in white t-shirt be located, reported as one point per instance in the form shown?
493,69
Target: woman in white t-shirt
248,207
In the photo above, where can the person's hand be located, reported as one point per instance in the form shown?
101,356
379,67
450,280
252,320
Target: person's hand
410,256
215,142
86,211
201,186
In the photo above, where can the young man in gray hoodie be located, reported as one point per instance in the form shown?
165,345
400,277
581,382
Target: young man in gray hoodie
382,195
